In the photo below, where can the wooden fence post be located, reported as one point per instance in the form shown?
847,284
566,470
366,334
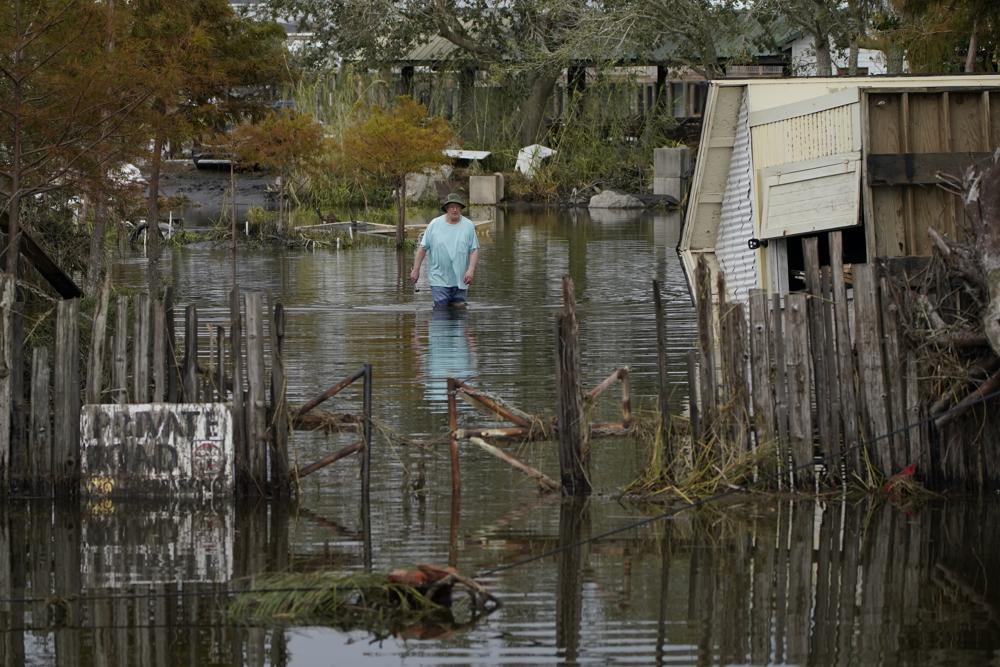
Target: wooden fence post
366,455
40,431
693,393
121,350
220,363
761,373
663,395
281,481
845,359
98,336
895,380
829,357
574,432
66,430
800,422
456,479
159,357
871,369
170,352
191,353
19,453
257,407
7,352
240,445
817,338
141,350
779,373
706,345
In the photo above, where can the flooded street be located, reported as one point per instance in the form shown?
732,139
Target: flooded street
760,580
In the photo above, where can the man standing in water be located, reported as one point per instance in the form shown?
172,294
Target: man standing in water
452,249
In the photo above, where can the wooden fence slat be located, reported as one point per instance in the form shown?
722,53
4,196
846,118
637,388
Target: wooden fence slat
800,422
98,338
7,352
574,446
40,431
779,374
141,349
240,448
762,387
120,371
257,406
663,393
191,354
66,396
706,343
170,353
846,372
159,358
280,476
694,413
895,379
19,453
220,364
870,364
736,363
817,337
829,357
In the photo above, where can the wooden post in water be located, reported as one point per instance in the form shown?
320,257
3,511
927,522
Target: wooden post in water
574,432
220,363
761,375
159,352
663,395
190,380
366,467
845,358
240,446
7,352
40,429
695,417
98,336
19,453
779,373
256,410
121,350
831,452
456,479
706,344
871,371
170,352
66,431
895,380
817,338
281,481
800,422
140,356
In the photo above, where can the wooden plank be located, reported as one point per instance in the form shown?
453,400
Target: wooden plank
888,169
693,410
98,339
799,372
170,353
706,348
574,445
20,403
871,371
141,349
829,358
663,389
190,364
779,375
885,136
40,431
736,364
257,389
240,442
159,358
66,396
7,352
817,337
220,364
895,374
846,373
281,481
30,250
919,444
762,375
120,372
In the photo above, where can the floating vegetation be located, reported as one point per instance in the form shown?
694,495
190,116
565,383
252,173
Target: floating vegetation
410,603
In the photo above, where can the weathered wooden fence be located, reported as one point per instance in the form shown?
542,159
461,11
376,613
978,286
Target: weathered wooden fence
826,376
132,354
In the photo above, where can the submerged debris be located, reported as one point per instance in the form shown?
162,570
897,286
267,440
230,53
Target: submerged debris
415,603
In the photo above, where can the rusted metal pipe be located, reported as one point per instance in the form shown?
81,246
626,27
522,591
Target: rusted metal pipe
329,422
604,384
543,480
330,393
332,458
496,405
626,397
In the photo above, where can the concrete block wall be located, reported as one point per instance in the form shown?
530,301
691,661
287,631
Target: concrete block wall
488,189
671,171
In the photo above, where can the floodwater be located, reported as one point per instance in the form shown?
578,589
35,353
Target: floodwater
757,581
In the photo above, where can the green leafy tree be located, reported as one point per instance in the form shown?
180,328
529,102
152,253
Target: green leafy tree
284,141
392,143
942,35
202,66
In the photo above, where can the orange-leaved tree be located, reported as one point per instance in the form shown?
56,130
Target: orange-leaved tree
284,141
392,143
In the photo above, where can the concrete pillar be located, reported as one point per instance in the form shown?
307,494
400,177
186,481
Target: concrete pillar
486,189
671,170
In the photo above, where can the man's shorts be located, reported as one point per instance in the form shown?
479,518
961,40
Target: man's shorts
447,296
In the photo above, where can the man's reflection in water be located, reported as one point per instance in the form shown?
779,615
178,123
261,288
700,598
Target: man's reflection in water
451,352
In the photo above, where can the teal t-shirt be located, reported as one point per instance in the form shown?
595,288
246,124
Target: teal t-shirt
448,247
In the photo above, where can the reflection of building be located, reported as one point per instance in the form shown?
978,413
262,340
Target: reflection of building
450,353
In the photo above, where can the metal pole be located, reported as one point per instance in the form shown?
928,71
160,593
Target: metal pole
456,482
366,468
